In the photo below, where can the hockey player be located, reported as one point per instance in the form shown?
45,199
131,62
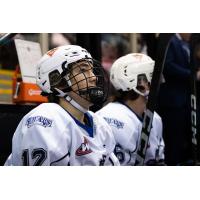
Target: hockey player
131,76
65,132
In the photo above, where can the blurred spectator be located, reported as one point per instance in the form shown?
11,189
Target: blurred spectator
174,101
113,46
59,39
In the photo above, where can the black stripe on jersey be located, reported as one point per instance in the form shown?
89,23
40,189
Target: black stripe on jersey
68,154
111,161
137,143
129,152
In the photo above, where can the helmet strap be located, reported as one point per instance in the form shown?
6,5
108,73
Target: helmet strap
145,94
70,100
75,104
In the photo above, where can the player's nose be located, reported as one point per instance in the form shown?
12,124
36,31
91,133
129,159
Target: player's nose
92,76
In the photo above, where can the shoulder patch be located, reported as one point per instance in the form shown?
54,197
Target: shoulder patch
38,120
114,122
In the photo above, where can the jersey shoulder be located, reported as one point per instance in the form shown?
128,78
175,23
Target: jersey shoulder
49,110
47,115
118,115
100,122
156,115
157,118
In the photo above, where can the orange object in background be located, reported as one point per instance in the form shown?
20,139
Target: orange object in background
25,92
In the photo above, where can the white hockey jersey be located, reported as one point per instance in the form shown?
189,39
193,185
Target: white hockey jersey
49,135
126,126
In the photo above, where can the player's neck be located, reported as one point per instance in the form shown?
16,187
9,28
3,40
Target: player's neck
138,105
72,110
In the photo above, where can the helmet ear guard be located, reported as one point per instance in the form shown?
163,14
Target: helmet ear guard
58,84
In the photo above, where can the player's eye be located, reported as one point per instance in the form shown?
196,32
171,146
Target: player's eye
83,69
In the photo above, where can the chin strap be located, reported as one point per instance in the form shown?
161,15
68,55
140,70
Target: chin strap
71,101
75,104
145,94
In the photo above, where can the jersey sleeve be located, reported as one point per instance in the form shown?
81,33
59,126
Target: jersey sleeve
161,144
109,141
39,143
155,150
8,161
161,148
111,160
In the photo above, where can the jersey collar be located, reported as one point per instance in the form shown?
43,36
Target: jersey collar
140,118
87,127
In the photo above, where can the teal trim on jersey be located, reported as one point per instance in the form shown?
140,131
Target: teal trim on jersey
140,118
87,127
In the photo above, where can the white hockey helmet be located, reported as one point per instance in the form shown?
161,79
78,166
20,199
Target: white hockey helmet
58,59
126,69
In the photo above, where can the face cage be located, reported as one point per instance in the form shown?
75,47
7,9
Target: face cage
141,78
96,94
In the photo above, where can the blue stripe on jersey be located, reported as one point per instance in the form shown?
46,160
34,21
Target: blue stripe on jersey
140,118
88,128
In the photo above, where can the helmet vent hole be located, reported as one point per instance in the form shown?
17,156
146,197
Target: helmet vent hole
125,72
64,66
132,80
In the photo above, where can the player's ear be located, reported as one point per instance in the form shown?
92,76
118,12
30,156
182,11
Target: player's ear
62,84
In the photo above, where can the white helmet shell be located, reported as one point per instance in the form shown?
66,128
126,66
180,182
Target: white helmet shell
125,70
58,59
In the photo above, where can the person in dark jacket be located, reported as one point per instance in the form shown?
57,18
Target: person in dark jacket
174,101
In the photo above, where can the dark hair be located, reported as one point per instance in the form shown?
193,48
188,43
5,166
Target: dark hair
120,95
53,99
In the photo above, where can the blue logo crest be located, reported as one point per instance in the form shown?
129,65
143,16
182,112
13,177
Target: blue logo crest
114,122
38,120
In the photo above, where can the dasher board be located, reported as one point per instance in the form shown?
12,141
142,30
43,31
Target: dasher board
29,53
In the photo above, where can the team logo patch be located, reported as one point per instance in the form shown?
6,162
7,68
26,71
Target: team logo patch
114,122
51,52
38,120
84,148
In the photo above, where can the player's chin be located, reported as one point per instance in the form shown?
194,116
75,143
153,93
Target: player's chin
86,100
145,98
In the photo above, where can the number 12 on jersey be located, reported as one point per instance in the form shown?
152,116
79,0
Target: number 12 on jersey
39,155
